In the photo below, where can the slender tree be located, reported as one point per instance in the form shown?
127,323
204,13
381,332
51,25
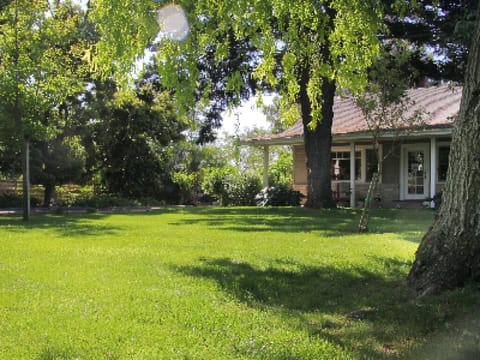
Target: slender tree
449,254
385,107
38,70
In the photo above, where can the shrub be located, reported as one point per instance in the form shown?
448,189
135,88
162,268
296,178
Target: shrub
15,200
242,190
105,201
10,200
216,182
280,195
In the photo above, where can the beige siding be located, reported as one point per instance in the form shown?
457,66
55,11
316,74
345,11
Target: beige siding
299,167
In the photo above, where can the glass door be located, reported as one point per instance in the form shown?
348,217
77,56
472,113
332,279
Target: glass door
416,172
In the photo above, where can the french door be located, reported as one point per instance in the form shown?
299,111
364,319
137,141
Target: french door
416,172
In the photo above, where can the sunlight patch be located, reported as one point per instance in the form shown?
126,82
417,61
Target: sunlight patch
173,22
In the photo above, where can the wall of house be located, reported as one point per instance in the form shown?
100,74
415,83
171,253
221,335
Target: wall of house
387,193
391,164
299,167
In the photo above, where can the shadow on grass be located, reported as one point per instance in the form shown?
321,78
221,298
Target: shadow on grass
287,220
65,225
409,224
306,288
351,307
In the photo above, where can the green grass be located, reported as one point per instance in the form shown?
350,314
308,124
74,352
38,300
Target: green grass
223,283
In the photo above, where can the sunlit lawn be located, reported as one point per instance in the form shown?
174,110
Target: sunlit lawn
223,283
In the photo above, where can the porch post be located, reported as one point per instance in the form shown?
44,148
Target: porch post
352,175
433,169
266,155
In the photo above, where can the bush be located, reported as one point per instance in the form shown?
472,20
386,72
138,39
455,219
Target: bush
106,201
216,182
10,200
242,191
71,194
15,200
280,195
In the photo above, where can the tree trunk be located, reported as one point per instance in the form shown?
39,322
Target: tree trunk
48,194
26,178
449,254
318,147
363,223
318,139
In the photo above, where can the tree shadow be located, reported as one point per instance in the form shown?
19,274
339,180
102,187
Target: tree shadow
306,288
362,303
287,220
328,222
75,225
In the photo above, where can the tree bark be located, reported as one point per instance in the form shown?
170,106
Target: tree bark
26,178
318,146
48,194
449,254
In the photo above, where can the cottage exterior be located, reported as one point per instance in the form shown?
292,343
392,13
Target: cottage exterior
414,171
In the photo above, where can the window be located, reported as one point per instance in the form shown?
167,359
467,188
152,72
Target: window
443,152
340,165
371,164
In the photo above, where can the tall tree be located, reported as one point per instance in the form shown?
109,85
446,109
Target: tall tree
439,32
449,254
38,70
130,138
304,49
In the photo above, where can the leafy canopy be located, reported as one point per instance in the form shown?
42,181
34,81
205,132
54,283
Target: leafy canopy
40,63
285,37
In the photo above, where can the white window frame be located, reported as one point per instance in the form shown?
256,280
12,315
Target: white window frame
363,160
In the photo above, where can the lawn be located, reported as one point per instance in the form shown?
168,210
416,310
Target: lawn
224,283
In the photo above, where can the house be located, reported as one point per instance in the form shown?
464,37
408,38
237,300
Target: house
414,171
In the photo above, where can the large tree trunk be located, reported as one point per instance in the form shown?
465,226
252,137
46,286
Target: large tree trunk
318,146
449,254
318,139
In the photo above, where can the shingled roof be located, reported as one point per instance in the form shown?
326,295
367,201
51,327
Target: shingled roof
438,104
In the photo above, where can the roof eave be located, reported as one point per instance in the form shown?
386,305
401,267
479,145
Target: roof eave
294,140
356,136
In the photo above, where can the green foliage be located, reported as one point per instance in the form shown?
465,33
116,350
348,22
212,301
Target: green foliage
282,35
73,195
243,189
132,140
273,40
105,201
15,199
58,161
279,195
41,64
126,28
186,182
10,200
439,32
230,186
216,182
280,169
